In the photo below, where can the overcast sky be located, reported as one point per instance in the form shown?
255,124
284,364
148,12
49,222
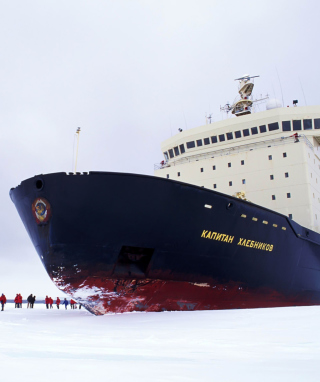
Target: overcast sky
130,73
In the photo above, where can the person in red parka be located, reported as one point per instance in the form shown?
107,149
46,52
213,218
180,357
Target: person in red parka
51,303
58,302
16,299
3,301
47,301
72,303
19,301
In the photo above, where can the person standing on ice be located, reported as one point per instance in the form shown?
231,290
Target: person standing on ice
47,301
19,301
65,303
29,299
16,303
32,301
58,302
51,302
3,301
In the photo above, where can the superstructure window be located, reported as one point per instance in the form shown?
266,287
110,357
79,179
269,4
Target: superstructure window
201,169
199,142
178,173
237,134
229,136
296,123
286,125
246,132
271,177
290,216
230,184
166,156
307,124
167,176
270,157
242,162
171,153
254,130
215,186
229,164
288,195
190,145
214,167
206,141
182,149
263,129
286,175
273,197
316,122
273,126
176,151
222,138
243,181
284,155
214,139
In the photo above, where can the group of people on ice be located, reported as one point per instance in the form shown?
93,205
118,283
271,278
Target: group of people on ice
18,301
65,302
31,300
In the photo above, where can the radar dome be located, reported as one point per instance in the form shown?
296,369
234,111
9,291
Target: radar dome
273,103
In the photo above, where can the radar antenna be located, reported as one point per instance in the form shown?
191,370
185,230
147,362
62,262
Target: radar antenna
243,105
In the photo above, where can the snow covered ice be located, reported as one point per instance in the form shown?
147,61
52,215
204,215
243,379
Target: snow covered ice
281,344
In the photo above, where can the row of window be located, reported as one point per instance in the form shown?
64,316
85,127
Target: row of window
286,175
294,125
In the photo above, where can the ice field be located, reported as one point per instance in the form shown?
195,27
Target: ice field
281,344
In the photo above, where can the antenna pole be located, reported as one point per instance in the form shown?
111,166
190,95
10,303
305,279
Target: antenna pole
78,133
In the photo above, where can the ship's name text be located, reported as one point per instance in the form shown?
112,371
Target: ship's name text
217,236
243,242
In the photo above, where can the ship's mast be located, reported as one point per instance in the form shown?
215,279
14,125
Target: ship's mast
243,105
78,135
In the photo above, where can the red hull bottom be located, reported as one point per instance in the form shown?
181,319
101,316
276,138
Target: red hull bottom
100,296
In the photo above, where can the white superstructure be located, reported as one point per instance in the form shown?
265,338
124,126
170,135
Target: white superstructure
257,154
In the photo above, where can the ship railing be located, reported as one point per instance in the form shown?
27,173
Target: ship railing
235,150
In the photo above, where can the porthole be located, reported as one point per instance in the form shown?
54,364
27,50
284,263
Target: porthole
229,205
39,184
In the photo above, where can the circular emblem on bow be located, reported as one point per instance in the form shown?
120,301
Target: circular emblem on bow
41,210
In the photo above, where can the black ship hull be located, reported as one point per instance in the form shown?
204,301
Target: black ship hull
124,242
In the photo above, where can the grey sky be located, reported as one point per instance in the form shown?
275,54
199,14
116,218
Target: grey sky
130,73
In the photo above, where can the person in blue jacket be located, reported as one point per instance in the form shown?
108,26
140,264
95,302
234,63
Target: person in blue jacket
65,303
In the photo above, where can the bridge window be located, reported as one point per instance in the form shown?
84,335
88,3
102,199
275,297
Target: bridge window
237,134
254,130
316,122
273,126
176,151
222,138
206,141
214,139
190,145
166,156
199,142
229,136
307,124
182,149
246,132
171,153
263,129
286,125
296,124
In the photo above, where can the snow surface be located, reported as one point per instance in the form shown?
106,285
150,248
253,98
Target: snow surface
280,344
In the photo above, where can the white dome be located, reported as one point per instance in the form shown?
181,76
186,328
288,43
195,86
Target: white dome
273,103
